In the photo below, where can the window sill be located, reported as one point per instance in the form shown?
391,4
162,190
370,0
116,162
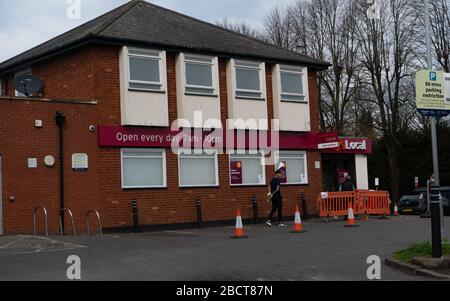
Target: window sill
146,91
201,95
250,98
198,186
295,101
144,188
295,184
247,185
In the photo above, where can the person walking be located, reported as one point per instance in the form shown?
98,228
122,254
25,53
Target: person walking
347,186
276,199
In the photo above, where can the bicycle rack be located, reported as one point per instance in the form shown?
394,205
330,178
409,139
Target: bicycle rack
45,220
64,211
98,221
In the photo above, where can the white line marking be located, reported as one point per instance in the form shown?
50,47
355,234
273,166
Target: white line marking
13,242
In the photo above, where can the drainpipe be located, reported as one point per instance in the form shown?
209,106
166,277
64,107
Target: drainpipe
60,121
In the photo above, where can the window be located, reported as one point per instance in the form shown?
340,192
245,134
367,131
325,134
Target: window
23,72
296,167
292,84
249,79
143,168
198,170
247,169
199,75
145,70
2,87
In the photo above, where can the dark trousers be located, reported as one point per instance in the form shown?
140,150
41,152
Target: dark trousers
277,205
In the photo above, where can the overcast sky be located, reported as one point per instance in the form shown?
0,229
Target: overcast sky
27,23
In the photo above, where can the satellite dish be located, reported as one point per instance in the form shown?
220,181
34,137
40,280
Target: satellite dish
27,84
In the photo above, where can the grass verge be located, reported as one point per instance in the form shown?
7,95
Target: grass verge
420,249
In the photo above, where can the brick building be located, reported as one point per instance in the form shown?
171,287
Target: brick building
123,80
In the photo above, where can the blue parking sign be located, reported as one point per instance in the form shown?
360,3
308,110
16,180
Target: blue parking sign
433,76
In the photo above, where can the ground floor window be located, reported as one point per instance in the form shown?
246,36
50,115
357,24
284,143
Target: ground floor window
247,169
198,170
143,168
295,163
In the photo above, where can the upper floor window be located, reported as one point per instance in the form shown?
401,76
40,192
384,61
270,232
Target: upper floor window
2,87
199,72
249,80
292,83
145,70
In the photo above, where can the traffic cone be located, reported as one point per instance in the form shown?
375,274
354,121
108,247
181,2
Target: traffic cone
239,231
351,219
298,227
396,211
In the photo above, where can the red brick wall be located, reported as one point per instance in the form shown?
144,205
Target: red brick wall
93,73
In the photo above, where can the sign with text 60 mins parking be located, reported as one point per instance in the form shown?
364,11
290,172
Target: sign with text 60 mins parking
433,93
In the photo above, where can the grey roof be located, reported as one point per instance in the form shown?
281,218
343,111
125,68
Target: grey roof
140,22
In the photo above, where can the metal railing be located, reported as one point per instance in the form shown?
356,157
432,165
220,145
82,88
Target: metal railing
63,212
100,231
45,220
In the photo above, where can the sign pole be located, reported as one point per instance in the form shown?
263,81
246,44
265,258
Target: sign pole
433,119
436,216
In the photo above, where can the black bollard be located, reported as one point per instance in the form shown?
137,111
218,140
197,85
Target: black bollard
436,225
255,210
135,216
198,205
304,206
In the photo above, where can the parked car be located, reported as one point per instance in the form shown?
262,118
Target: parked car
417,201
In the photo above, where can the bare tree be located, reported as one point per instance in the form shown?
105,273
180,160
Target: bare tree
387,53
279,27
240,27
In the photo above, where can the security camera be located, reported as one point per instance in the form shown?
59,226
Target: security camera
92,128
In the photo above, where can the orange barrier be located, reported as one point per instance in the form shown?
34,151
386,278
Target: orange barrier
373,202
361,201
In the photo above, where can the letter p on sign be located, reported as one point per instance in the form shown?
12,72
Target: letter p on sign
74,270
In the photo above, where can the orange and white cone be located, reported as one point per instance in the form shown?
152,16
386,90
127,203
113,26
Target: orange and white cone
239,231
298,227
351,219
396,211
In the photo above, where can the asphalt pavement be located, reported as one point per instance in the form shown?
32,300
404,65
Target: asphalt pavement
327,251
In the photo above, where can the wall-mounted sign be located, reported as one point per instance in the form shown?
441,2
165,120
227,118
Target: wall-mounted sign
117,136
431,93
80,162
236,173
32,163
351,146
317,165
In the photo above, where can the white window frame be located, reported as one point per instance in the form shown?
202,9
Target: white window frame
182,152
147,54
249,65
238,156
200,60
297,71
148,151
26,71
300,154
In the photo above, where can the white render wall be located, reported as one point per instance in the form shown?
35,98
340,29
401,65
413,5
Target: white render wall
362,175
142,108
294,117
187,105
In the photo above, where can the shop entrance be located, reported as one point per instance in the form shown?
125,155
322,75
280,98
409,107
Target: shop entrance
335,166
1,199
